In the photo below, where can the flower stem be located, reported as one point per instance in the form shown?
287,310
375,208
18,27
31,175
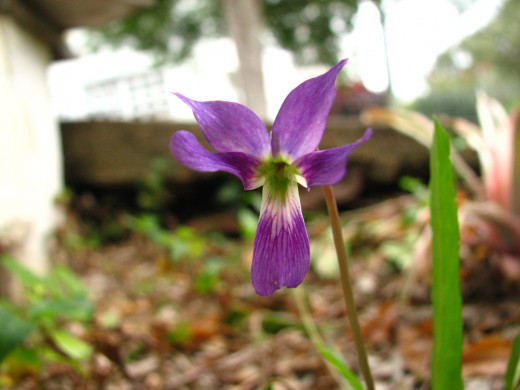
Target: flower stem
346,283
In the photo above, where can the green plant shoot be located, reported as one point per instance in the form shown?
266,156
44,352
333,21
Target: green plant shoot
447,301
512,377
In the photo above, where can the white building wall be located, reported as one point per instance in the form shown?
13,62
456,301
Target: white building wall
30,150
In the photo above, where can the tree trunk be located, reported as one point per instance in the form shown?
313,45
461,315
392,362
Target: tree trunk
244,22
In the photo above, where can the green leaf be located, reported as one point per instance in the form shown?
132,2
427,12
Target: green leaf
208,276
447,300
22,361
13,332
276,321
67,280
247,220
513,367
338,364
25,276
180,334
73,307
72,346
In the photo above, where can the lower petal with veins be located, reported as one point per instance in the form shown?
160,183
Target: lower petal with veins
281,253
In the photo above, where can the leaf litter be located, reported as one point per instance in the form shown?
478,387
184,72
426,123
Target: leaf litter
155,327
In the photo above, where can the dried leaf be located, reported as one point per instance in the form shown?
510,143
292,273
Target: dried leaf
487,356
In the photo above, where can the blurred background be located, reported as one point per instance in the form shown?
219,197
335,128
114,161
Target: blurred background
122,268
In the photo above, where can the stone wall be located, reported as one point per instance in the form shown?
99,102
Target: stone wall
119,153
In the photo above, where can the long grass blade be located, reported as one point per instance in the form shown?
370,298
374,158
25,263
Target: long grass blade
447,301
512,378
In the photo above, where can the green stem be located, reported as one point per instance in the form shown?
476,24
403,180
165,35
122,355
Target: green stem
347,285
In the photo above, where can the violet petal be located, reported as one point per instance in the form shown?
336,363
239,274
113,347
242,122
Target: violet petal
230,127
189,152
327,167
301,121
281,253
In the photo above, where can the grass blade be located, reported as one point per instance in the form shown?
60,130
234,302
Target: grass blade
330,357
513,367
338,364
447,301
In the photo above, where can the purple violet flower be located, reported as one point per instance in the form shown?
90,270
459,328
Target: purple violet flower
281,253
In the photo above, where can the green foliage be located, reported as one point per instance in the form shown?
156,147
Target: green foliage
182,243
78,242
58,296
490,62
399,253
72,346
309,28
180,334
22,360
455,100
248,221
185,246
340,366
169,29
48,303
208,276
421,193
246,205
275,321
415,187
446,295
236,317
152,194
512,379
14,332
498,43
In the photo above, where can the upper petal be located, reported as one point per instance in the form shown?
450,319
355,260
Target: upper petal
230,127
187,149
281,253
327,167
300,123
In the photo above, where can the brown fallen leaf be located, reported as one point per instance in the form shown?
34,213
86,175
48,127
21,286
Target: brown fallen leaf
380,328
487,356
